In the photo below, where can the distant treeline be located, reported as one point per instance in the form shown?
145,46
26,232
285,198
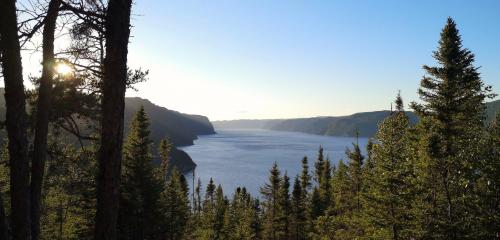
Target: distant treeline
364,123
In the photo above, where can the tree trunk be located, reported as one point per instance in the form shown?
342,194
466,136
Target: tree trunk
113,100
16,121
42,117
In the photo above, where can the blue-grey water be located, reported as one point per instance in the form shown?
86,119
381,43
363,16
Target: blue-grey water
243,157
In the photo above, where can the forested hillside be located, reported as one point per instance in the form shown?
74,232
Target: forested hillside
180,128
366,123
492,108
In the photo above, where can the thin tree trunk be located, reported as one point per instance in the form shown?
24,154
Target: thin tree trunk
16,121
113,100
42,117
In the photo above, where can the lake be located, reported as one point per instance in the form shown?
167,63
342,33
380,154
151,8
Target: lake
243,157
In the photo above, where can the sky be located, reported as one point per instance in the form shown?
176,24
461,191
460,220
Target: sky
261,59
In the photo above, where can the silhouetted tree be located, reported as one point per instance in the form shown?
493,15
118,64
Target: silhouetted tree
42,116
16,121
117,32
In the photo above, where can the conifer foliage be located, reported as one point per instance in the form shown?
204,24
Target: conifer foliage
141,188
436,179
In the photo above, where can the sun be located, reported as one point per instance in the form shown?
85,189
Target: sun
63,69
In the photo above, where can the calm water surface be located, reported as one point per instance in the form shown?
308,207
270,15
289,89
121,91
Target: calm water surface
243,157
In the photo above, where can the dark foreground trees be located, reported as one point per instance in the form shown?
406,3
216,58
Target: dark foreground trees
42,116
16,121
141,184
117,32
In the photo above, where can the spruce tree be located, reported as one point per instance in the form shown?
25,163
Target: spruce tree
197,199
239,223
221,205
141,189
325,186
257,218
175,207
489,184
322,176
205,229
210,193
164,150
389,194
298,218
355,173
305,178
353,219
270,193
318,165
343,197
284,208
452,114
315,205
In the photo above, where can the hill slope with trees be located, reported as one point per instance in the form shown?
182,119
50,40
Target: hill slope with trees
345,126
180,128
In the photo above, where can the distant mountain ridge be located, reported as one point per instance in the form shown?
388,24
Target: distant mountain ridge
365,122
182,129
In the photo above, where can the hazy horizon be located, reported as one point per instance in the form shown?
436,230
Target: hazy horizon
269,60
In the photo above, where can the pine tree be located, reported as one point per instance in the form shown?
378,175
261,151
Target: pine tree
389,194
315,205
141,188
175,207
240,214
298,216
16,121
213,213
221,205
164,150
452,116
270,193
210,193
284,209
257,219
323,179
318,165
489,184
197,199
343,196
325,187
355,173
305,178
114,81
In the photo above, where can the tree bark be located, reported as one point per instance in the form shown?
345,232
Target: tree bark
42,117
113,100
16,121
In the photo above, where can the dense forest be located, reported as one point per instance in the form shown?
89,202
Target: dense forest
438,178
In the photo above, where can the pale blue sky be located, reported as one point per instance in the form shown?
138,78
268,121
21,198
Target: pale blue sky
232,59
